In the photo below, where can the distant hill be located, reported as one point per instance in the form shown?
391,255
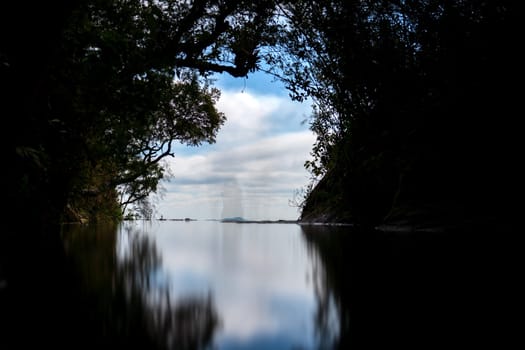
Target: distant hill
233,219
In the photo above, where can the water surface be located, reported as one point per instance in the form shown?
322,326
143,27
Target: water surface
243,286
212,285
258,276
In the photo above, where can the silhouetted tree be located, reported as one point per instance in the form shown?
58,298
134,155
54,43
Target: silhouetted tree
403,91
116,83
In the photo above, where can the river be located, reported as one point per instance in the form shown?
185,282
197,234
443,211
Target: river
214,285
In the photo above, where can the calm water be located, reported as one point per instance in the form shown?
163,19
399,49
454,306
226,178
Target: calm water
212,285
218,285
258,279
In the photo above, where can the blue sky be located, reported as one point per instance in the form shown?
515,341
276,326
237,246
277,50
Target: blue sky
256,164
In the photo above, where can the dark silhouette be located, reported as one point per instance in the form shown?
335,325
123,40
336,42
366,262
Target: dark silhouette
96,93
415,109
413,291
97,298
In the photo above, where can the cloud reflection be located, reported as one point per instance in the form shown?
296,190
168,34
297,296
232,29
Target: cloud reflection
257,274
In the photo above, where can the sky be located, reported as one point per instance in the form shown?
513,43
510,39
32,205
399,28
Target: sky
256,165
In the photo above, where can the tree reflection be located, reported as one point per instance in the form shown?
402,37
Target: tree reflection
129,299
325,250
377,289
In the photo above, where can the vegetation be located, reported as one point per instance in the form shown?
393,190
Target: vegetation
100,90
414,100
414,106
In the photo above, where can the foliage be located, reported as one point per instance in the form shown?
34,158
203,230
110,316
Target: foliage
98,92
117,84
400,88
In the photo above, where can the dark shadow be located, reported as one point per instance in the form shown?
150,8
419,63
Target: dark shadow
106,293
410,290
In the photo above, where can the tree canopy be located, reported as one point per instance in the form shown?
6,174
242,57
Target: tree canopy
96,92
413,106
115,84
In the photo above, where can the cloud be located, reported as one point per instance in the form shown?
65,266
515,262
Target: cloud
246,114
261,149
251,116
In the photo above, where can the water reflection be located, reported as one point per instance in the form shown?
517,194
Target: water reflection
259,276
128,304
177,285
197,285
417,291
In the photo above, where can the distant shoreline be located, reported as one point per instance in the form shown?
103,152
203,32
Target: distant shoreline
237,221
279,221
260,221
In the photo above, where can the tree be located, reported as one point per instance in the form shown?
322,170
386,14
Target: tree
401,91
118,83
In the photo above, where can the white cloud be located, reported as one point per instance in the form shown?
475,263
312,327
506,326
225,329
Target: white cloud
251,116
261,149
245,113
